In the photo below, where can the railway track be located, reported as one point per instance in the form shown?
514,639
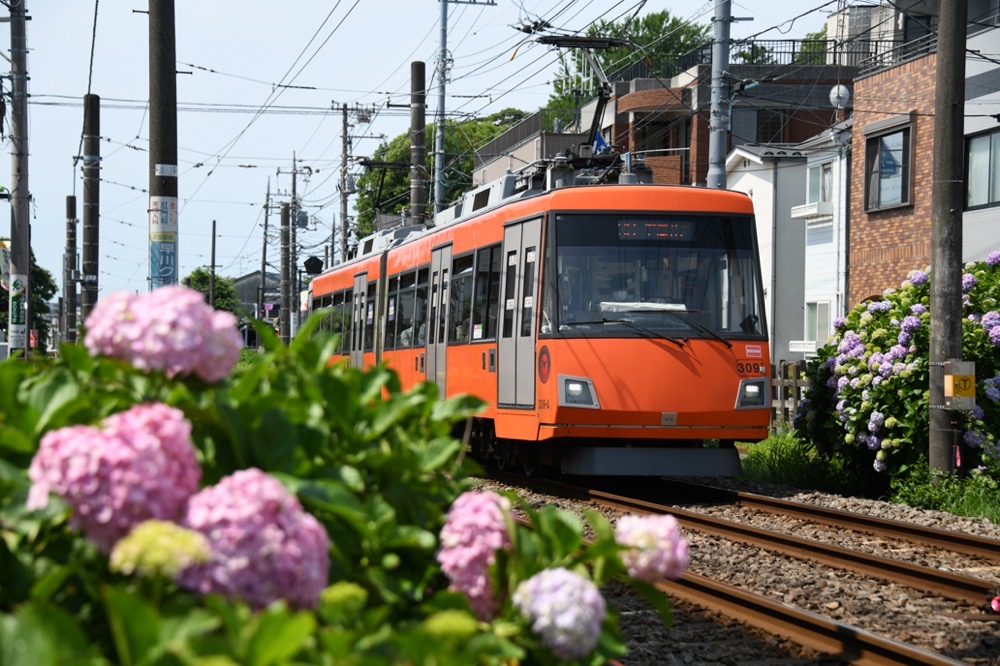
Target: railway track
804,627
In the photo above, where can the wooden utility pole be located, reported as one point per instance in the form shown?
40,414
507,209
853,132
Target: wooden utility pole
91,203
946,225
163,224
418,142
19,317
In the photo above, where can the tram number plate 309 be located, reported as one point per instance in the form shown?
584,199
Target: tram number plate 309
751,368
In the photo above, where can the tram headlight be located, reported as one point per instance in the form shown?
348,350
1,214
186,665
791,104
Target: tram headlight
577,392
753,394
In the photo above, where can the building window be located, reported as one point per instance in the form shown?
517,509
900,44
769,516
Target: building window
887,170
817,321
982,165
820,183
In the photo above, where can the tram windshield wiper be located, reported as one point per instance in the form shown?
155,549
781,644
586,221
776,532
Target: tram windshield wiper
693,323
643,329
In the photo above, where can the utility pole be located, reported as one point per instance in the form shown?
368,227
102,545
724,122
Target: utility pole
343,186
263,253
70,276
294,252
946,225
443,65
211,274
418,143
286,283
719,122
19,318
163,226
91,203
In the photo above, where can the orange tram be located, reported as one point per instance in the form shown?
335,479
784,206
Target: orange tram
613,329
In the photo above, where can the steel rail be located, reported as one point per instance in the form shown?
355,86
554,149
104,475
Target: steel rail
798,625
955,542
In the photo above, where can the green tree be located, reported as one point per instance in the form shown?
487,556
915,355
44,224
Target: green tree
42,289
226,298
659,37
813,51
388,190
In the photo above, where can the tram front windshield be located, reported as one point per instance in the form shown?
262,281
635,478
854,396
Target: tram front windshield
676,275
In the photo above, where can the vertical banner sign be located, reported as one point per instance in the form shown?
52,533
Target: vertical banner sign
162,241
18,328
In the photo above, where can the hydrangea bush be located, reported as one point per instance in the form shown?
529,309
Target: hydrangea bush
158,508
869,399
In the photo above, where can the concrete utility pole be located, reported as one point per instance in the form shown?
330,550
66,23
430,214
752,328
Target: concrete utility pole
718,128
343,185
211,274
263,253
285,321
946,224
91,203
164,235
19,318
443,65
418,143
70,276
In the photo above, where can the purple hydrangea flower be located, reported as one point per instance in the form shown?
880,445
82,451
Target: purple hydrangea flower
973,438
918,309
910,323
918,278
474,530
839,323
657,549
993,393
968,281
880,465
875,421
995,335
139,465
170,329
565,609
265,547
990,320
993,258
842,383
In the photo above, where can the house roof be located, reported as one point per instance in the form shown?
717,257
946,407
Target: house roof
761,152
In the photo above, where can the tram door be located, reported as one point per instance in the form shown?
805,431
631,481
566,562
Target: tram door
518,314
437,318
358,313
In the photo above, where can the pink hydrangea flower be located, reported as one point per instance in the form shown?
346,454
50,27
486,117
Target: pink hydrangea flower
474,530
139,465
656,548
565,609
265,547
170,329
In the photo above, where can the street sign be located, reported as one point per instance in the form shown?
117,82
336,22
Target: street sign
960,385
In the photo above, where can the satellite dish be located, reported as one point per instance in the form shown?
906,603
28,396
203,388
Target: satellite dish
840,95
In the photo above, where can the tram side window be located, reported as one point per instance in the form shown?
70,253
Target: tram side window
345,317
487,294
420,308
370,317
404,310
528,297
461,299
335,318
391,313
508,297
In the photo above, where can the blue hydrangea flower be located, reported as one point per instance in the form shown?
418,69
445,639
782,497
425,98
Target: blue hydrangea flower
918,278
968,281
973,438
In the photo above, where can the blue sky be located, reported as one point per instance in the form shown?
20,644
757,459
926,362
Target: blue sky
230,55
